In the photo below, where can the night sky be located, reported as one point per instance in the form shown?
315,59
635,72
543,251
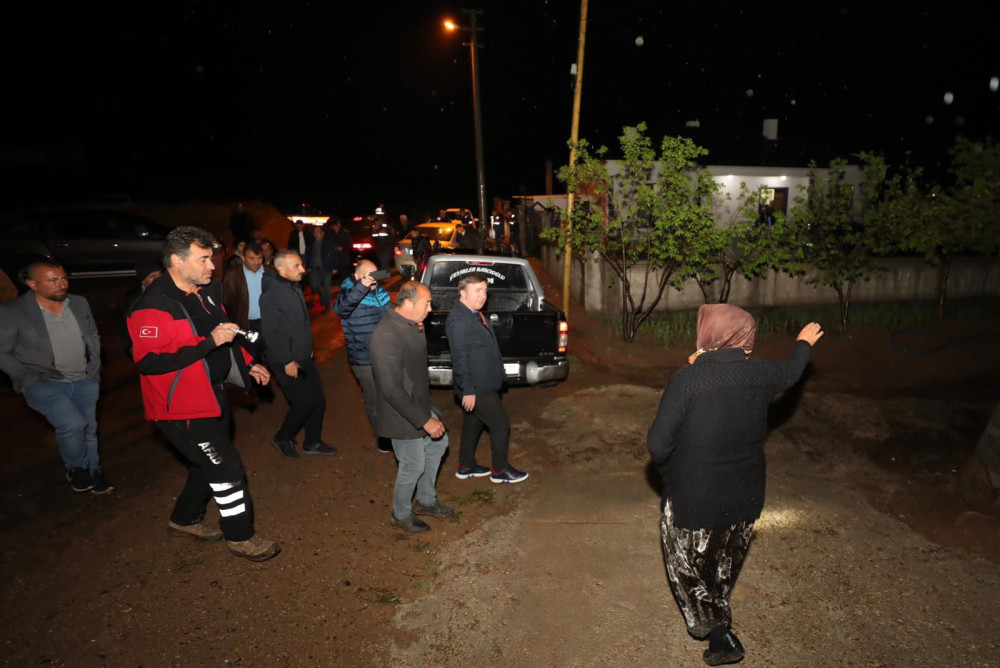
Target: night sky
347,106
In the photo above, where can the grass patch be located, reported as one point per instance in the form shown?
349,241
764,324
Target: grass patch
389,598
484,496
680,328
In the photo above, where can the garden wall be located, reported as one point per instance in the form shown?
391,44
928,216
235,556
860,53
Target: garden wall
898,279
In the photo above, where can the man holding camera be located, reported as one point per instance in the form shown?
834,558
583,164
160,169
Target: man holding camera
284,322
183,342
360,306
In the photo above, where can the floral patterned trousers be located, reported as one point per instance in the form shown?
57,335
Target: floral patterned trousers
702,566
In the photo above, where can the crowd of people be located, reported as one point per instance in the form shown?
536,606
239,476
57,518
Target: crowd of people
192,335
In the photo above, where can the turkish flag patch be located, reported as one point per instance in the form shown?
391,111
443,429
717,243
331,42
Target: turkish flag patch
148,332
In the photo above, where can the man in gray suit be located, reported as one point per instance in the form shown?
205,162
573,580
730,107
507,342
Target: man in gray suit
51,349
405,413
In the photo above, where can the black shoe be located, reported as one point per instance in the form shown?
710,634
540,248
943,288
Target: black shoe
411,524
319,448
508,475
285,448
384,444
474,471
79,480
723,647
437,510
101,486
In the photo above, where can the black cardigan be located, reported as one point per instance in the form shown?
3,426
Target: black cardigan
708,436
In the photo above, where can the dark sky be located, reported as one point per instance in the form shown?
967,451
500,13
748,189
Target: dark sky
349,105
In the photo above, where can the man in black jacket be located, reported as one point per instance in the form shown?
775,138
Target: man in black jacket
285,326
477,378
405,413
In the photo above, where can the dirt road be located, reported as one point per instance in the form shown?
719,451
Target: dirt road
864,555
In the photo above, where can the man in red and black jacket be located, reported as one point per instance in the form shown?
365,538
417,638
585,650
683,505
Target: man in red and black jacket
183,342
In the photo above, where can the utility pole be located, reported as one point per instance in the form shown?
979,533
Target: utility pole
573,137
474,31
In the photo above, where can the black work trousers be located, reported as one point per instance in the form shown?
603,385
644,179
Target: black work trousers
489,413
306,404
214,470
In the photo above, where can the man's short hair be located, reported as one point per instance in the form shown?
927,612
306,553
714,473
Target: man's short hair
180,239
25,274
253,247
409,292
474,277
279,257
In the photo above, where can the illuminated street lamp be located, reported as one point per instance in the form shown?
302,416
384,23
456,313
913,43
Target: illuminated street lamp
474,30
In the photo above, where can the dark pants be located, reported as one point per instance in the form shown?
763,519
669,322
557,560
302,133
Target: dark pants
702,566
214,470
319,283
306,403
366,379
488,413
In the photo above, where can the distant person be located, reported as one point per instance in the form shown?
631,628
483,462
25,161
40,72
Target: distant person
477,379
405,413
708,443
419,245
299,238
321,260
404,226
360,306
241,224
241,291
286,329
468,239
384,239
184,344
51,349
268,250
236,259
342,242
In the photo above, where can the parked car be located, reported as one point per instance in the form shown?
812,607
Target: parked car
440,235
89,243
532,334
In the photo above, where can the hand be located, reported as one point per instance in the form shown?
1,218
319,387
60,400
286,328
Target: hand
368,281
292,369
259,373
224,333
469,402
434,428
811,333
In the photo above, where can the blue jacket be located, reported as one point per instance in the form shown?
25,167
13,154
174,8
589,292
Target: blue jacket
360,309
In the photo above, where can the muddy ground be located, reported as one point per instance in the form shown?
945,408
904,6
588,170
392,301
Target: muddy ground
867,553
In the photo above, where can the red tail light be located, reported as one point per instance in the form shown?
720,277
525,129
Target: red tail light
563,335
397,251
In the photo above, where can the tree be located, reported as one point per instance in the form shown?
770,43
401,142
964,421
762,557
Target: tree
652,224
958,219
747,246
840,231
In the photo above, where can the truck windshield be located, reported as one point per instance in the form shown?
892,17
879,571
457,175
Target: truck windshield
501,276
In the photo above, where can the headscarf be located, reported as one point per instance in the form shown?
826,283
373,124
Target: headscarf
725,326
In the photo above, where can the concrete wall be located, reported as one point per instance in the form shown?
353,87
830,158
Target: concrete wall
899,279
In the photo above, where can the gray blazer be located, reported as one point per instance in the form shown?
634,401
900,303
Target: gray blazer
25,349
399,364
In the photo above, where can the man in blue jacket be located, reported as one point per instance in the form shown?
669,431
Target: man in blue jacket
360,305
477,378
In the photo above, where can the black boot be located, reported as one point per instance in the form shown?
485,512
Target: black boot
723,647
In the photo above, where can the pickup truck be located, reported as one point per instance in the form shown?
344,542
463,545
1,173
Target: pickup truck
532,333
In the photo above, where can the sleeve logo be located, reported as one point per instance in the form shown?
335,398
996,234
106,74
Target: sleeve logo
148,332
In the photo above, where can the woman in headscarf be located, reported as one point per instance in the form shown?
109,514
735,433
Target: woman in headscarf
708,443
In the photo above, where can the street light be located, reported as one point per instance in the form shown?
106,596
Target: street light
474,30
